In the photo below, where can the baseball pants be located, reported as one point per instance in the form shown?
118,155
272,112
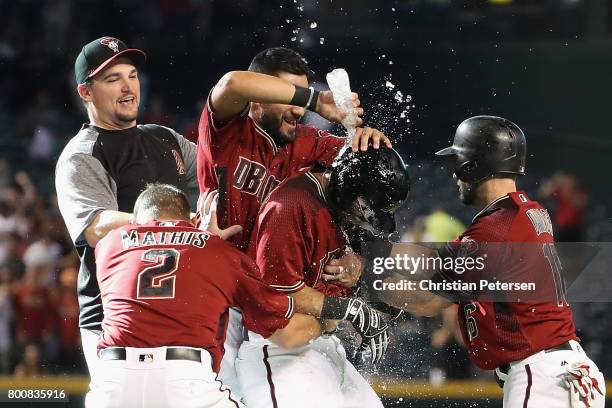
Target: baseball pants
316,375
146,379
233,339
89,342
537,380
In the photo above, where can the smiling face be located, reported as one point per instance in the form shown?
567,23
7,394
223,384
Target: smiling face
279,120
113,95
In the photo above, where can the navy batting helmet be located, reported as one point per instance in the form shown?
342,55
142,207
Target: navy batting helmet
376,182
487,146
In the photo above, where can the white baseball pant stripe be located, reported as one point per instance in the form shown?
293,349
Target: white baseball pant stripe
537,381
154,382
316,375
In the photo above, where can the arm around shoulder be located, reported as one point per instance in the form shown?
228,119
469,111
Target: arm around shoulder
104,222
84,192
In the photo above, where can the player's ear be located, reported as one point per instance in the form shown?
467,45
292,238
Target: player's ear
84,91
256,110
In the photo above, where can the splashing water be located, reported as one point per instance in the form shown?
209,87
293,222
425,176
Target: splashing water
340,86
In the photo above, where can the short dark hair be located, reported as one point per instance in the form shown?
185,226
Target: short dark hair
159,200
273,61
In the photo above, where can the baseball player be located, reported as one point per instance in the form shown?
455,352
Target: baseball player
166,288
250,139
108,163
298,230
532,345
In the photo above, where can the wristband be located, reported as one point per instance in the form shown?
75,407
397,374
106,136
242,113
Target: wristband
335,308
314,99
306,98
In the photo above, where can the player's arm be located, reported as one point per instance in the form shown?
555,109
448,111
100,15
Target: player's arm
86,199
269,312
415,301
104,222
300,331
236,89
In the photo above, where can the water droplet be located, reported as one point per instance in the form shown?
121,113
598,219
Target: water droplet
293,38
389,85
313,24
321,40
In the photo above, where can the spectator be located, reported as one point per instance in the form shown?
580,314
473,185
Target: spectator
570,199
11,251
30,366
6,318
66,304
10,220
34,308
44,253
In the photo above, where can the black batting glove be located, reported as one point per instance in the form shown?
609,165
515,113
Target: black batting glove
368,322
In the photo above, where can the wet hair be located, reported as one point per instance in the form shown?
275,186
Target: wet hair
161,200
273,61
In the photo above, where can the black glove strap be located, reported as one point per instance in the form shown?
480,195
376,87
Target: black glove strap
335,308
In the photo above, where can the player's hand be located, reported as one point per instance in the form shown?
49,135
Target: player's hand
363,136
344,271
581,385
371,326
207,205
326,108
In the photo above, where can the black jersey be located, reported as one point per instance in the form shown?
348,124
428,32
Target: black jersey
103,169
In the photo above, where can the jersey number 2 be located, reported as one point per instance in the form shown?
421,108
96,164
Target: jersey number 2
158,281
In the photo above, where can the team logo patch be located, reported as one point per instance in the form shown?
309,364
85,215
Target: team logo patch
180,165
111,43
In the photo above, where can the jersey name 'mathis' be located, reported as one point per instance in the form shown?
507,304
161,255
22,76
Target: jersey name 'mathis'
131,238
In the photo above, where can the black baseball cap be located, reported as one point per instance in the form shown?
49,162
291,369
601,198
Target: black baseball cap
99,53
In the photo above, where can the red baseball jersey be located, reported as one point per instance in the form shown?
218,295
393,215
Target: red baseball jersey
497,333
295,236
169,284
245,164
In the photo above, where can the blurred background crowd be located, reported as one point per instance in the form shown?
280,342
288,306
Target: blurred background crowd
420,66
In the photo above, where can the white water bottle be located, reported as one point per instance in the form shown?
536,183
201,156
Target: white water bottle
338,82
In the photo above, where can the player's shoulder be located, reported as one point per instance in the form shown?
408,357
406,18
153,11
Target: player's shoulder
512,216
299,192
81,143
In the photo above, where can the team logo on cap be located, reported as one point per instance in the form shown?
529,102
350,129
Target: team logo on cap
111,43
